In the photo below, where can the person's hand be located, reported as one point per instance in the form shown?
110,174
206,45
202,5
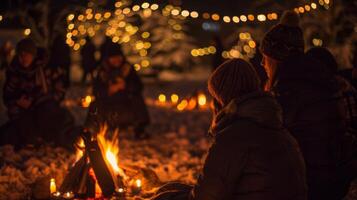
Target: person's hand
24,102
117,86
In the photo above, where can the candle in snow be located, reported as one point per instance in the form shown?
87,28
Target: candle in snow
53,188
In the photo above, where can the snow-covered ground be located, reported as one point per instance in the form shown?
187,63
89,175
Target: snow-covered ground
174,152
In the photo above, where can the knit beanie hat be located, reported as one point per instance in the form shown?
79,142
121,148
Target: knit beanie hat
284,39
112,49
233,79
26,45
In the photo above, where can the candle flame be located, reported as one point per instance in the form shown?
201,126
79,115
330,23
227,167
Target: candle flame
162,98
53,188
202,100
138,183
174,98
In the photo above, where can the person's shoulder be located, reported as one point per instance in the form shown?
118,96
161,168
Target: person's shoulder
241,131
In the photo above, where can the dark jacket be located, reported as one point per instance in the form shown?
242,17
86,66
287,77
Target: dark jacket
253,157
31,83
124,108
315,117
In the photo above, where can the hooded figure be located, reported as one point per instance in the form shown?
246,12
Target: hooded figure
253,157
118,92
311,111
30,100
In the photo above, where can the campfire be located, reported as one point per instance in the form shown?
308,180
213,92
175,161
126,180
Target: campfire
96,172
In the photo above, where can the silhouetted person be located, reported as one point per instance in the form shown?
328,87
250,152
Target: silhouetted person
118,92
31,106
89,62
253,156
310,110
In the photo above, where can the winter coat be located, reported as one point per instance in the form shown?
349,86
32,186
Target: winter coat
315,117
253,156
125,107
31,83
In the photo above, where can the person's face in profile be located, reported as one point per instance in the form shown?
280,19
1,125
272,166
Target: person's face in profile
115,61
26,59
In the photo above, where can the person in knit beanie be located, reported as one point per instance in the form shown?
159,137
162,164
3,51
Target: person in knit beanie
232,79
247,132
281,41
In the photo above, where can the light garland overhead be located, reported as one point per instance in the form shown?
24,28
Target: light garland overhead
178,11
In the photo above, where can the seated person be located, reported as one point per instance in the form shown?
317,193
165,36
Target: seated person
118,92
31,106
253,156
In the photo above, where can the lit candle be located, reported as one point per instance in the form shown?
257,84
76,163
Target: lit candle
174,98
53,188
162,98
202,100
136,188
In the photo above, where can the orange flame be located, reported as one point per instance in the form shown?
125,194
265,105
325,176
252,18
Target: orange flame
110,149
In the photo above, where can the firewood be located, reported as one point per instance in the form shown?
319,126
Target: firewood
100,168
72,179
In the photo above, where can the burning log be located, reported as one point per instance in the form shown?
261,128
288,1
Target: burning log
72,180
100,168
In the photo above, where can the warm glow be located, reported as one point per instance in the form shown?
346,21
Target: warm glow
112,160
110,148
154,7
192,104
79,146
174,98
53,188
202,100
243,18
235,19
185,13
215,17
162,98
138,183
27,31
226,19
87,101
70,17
194,14
181,106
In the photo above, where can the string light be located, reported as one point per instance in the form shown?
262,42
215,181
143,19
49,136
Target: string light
27,31
122,10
